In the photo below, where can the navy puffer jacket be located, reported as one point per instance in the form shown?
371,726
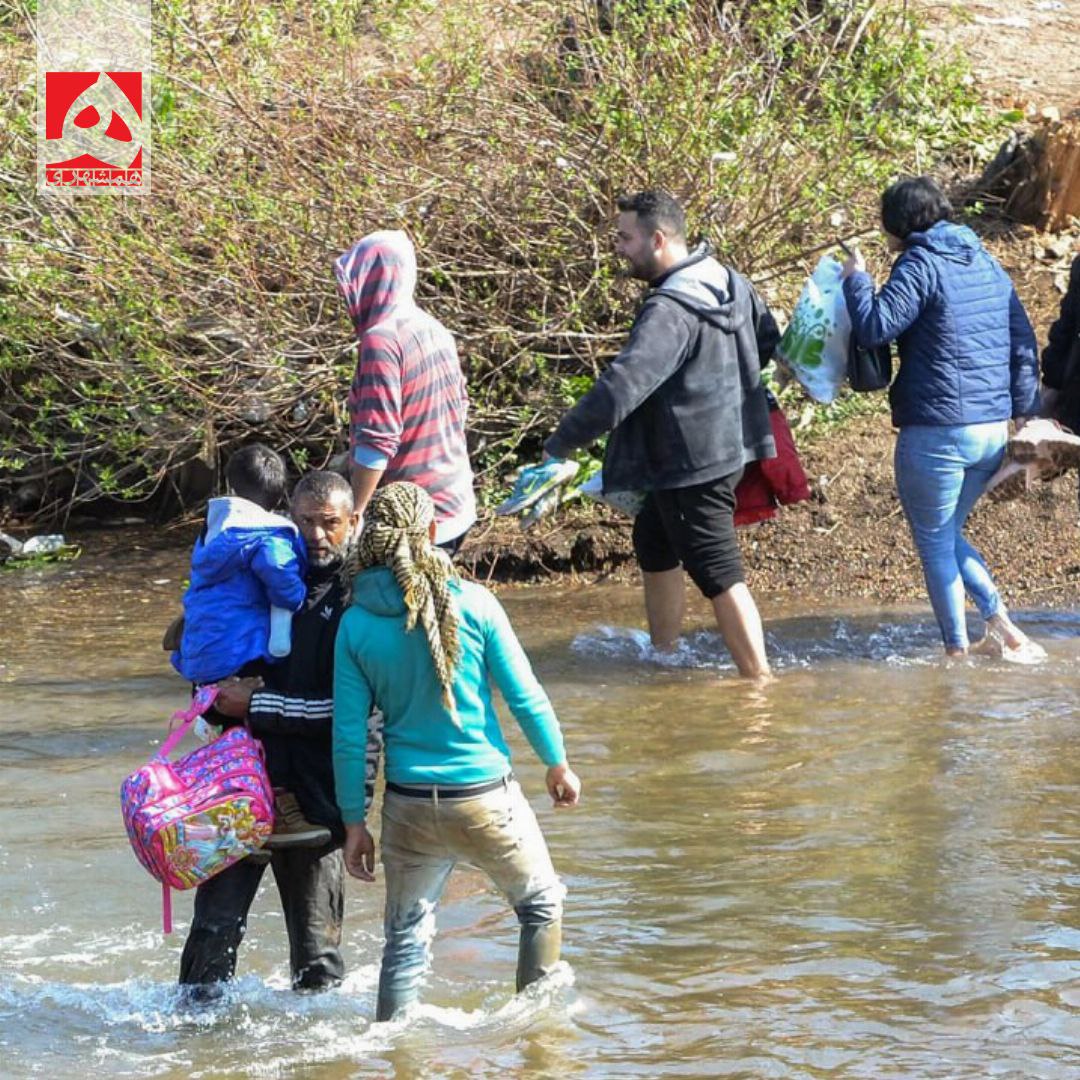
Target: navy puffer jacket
967,350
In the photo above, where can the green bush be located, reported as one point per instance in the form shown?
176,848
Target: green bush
137,335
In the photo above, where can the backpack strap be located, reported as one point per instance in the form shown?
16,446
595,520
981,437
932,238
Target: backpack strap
203,699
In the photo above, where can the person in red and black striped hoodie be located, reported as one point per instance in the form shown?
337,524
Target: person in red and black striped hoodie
408,399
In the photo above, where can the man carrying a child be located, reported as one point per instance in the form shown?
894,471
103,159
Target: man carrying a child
290,710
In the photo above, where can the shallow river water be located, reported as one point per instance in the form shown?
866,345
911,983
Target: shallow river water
870,869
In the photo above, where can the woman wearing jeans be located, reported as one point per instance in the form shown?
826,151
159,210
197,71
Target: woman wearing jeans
967,366
421,646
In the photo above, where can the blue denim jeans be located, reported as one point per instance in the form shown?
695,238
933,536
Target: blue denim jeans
423,839
940,474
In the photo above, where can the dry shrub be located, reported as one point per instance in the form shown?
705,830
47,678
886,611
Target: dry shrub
140,337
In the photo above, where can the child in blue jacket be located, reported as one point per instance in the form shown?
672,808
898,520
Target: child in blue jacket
247,575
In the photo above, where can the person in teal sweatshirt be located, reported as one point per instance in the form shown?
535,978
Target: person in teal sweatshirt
421,646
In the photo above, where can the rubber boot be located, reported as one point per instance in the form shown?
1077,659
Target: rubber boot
538,951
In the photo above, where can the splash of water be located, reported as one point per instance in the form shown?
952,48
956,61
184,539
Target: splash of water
805,642
136,1023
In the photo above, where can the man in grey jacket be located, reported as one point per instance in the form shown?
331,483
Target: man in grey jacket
687,410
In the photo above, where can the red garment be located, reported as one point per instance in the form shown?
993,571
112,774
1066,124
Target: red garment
774,481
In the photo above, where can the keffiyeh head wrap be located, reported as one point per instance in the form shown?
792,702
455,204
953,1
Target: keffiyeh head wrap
396,534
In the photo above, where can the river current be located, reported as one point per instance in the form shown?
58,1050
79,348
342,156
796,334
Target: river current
868,869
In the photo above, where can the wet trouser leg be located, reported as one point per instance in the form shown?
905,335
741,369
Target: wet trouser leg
540,943
219,922
515,856
503,839
311,882
422,841
416,866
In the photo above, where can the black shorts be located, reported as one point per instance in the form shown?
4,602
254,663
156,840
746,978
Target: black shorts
693,527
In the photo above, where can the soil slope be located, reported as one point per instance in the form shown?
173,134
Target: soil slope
850,540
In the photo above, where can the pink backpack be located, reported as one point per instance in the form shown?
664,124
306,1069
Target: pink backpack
189,820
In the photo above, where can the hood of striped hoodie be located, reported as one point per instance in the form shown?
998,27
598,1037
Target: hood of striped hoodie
375,276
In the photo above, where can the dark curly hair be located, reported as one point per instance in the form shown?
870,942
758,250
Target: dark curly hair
656,210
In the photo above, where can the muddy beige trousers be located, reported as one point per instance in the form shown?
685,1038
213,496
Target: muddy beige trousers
423,839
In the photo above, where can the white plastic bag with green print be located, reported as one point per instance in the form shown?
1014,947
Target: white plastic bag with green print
815,344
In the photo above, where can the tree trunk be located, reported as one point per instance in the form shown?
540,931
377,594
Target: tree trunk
1037,175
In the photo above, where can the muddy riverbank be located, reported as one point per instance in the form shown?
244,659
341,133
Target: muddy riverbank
850,540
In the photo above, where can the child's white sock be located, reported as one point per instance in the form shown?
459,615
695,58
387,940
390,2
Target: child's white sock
280,631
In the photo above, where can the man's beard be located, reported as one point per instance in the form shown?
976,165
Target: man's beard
332,559
638,272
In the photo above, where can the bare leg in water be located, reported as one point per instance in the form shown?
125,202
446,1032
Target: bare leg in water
737,619
665,605
740,626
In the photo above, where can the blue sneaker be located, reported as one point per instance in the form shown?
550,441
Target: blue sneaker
535,482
